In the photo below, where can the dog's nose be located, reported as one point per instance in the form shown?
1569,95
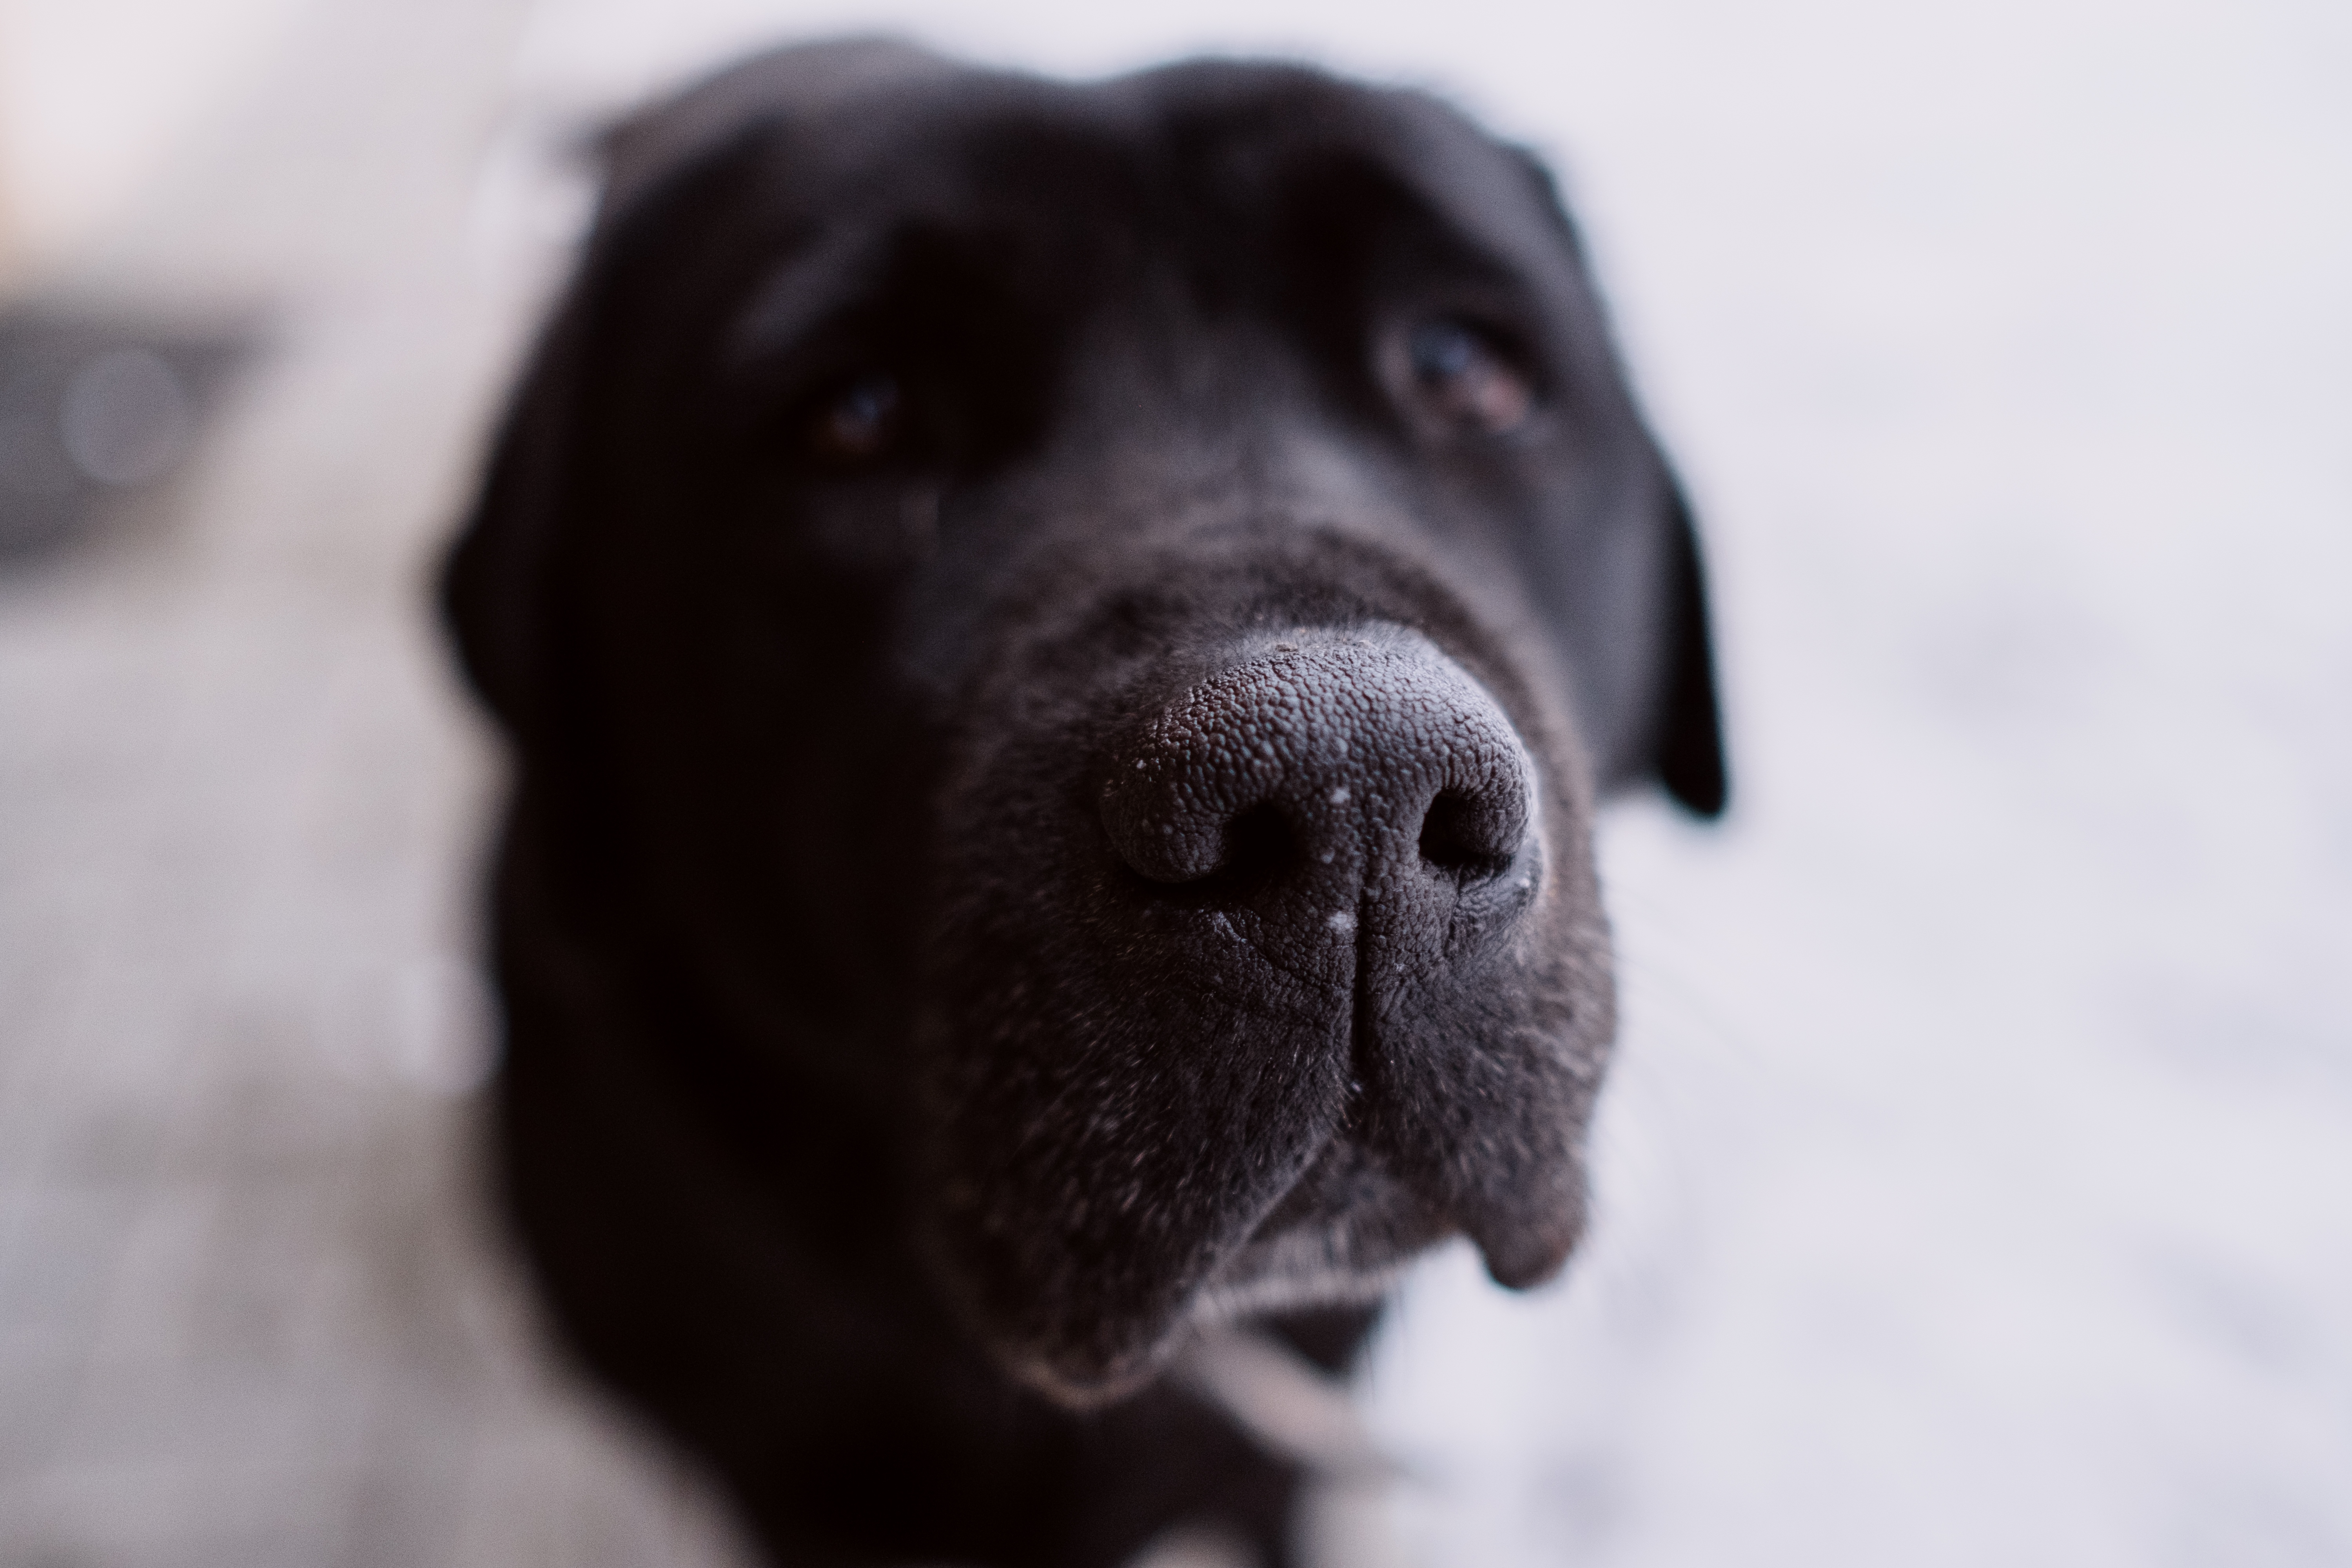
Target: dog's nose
1327,778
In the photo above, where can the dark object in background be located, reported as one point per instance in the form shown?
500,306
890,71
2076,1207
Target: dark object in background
91,409
1060,643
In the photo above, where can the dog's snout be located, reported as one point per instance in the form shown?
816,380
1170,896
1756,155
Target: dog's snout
1328,773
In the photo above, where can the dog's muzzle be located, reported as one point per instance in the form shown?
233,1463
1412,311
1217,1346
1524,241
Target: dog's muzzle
1319,987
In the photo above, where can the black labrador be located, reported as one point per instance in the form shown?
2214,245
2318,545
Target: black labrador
1060,644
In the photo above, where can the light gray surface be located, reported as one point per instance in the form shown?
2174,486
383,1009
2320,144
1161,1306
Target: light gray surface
1975,1185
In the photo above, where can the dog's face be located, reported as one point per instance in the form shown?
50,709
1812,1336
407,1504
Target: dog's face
1091,620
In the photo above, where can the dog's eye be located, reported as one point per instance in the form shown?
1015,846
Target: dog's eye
1459,373
862,422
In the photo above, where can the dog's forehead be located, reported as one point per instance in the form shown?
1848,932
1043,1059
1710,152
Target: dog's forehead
1203,157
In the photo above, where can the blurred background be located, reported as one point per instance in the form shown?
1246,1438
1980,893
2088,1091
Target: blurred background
1976,1182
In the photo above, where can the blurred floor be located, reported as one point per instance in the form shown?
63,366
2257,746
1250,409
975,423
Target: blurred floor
1975,1181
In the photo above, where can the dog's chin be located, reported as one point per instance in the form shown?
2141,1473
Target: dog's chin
1339,1262
1349,1260
1298,1277
1292,1291
1086,1388
1342,1236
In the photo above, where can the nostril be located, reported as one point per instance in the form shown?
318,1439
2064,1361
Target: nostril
1463,837
1254,846
1258,845
1322,771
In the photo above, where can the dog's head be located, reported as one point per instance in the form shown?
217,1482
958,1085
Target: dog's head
1092,620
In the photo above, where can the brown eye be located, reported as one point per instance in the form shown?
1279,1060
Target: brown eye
1460,375
863,422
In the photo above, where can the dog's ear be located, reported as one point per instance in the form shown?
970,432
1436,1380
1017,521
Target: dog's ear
1686,754
800,82
494,589
1685,750
1688,732
495,584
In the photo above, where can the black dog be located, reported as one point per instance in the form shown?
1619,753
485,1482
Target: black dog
1061,643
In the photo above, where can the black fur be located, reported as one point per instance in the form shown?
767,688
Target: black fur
1108,855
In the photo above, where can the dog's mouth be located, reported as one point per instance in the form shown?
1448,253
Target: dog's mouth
1300,1271
1344,1235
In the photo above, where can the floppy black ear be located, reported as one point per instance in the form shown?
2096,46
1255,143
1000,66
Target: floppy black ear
1687,753
494,588
1686,735
804,82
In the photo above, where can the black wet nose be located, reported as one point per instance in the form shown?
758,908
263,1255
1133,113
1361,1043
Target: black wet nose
1328,776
